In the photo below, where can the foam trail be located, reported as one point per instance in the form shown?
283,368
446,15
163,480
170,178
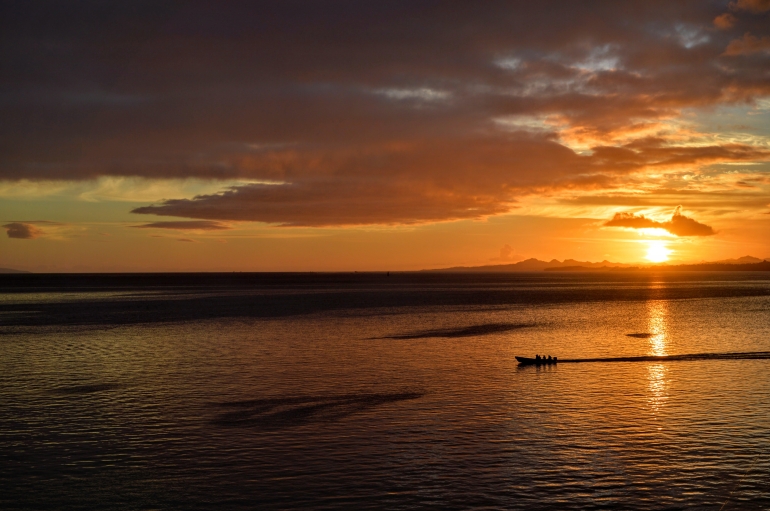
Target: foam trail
746,355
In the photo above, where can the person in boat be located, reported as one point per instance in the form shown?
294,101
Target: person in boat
537,357
549,358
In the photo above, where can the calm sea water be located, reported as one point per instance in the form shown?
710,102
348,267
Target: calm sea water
367,391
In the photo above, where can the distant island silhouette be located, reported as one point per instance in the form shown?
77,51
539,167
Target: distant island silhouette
746,263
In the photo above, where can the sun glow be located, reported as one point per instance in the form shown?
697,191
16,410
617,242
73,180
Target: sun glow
657,251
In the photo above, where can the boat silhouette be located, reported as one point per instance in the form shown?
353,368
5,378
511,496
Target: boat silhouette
536,361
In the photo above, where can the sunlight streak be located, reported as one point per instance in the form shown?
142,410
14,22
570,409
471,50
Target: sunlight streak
657,386
657,313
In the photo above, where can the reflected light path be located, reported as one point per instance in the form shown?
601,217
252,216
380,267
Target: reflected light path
657,384
657,312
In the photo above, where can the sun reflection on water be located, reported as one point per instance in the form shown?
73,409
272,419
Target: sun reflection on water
658,384
657,313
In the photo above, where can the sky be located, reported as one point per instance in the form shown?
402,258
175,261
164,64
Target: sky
397,135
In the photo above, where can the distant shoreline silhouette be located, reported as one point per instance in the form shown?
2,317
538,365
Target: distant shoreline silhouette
571,265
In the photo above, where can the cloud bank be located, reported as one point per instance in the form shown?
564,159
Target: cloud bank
679,224
353,113
755,6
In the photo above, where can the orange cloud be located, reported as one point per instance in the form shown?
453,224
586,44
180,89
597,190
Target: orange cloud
725,21
748,45
507,255
679,224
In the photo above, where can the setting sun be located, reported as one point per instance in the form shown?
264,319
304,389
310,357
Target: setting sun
344,244
657,251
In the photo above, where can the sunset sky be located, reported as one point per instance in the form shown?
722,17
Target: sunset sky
349,135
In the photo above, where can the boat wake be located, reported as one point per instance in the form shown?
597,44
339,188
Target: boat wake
746,355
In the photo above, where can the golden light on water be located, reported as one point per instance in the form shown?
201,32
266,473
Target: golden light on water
658,386
657,324
657,312
657,252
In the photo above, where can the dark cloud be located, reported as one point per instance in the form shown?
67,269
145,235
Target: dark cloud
431,181
755,6
396,112
332,203
679,224
22,231
196,225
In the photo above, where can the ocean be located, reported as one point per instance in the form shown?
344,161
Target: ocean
372,391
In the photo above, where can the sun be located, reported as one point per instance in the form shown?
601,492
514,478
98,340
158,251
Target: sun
657,251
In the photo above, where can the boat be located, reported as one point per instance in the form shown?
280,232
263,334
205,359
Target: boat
536,361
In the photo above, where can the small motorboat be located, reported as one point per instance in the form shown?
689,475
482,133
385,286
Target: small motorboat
536,361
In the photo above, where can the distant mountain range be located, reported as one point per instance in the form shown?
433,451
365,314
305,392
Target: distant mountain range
740,260
534,265
9,270
746,263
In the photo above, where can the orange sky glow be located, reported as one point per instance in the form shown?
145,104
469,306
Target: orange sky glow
397,136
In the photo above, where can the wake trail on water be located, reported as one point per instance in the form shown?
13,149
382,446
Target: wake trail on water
745,355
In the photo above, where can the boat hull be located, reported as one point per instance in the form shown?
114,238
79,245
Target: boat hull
535,361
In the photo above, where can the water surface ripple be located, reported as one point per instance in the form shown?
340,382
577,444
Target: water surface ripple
369,392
